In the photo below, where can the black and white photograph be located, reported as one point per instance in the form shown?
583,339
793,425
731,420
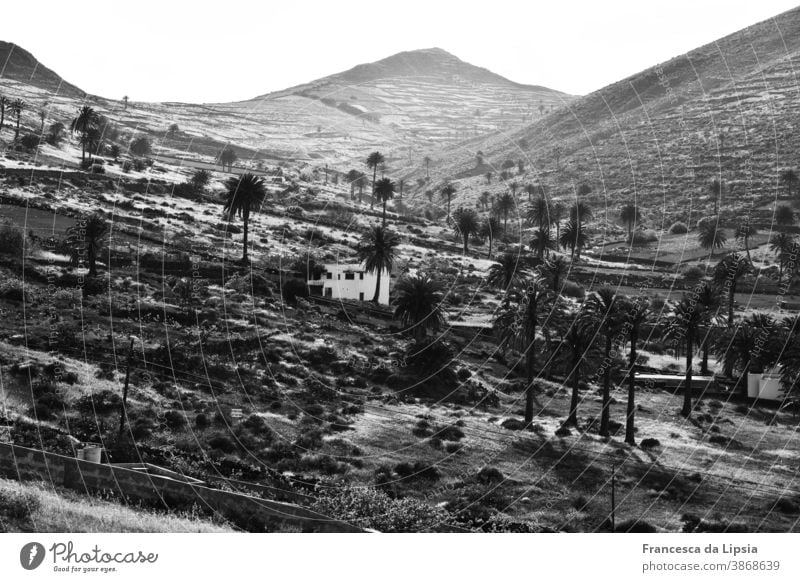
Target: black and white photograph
399,268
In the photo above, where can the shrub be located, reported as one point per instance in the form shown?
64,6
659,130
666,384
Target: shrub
222,443
175,419
490,475
29,141
374,509
98,169
12,289
644,236
650,443
11,240
292,289
573,290
201,421
102,402
17,505
693,273
678,228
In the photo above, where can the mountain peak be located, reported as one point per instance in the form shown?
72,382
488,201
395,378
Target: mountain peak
20,65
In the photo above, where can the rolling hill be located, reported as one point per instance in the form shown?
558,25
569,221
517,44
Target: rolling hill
17,64
727,110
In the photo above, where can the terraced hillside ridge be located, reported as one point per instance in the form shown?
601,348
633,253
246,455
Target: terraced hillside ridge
725,111
17,64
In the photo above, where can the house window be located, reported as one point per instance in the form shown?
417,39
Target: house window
349,276
338,275
329,292
361,296
361,276
329,275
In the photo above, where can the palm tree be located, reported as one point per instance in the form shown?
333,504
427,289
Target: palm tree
604,306
750,347
351,177
707,296
791,179
244,193
88,237
556,214
489,229
4,102
16,109
683,324
574,238
505,205
488,177
509,267
715,189
125,101
784,215
745,230
374,160
227,157
629,216
417,304
580,211
542,242
516,325
557,268
447,192
86,119
635,314
484,198
383,191
710,236
727,274
781,244
466,224
539,213
377,250
577,342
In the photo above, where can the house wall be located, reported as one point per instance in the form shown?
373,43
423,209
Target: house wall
342,288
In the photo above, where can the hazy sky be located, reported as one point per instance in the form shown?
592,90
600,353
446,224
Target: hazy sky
230,50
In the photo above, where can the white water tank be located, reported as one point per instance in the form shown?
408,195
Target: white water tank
753,385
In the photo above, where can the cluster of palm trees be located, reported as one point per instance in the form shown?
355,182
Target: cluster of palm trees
14,107
86,124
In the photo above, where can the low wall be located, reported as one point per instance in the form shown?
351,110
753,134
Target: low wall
87,477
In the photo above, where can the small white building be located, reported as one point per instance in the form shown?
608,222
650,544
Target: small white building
766,386
343,281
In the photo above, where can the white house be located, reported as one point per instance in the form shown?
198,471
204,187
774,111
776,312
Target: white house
766,386
342,281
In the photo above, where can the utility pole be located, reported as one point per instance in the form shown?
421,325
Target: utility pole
123,412
613,500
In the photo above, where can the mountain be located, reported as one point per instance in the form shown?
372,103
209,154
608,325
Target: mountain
727,110
405,104
17,64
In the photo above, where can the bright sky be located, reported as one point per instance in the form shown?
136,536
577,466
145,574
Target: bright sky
230,50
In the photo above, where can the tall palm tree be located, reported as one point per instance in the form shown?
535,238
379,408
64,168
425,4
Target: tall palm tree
88,236
629,215
745,230
684,324
715,189
466,224
790,178
516,326
4,102
543,242
505,205
374,160
244,194
377,249
605,307
726,276
781,244
17,106
484,199
711,237
635,314
557,268
384,191
447,192
574,238
86,119
707,295
351,177
750,347
581,212
508,268
556,214
490,228
417,303
539,213
577,343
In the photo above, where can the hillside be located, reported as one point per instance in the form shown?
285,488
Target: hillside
727,110
17,64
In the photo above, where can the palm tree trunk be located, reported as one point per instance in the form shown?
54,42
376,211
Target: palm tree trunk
704,361
731,298
529,388
377,288
384,213
747,248
573,405
374,176
605,414
92,259
245,221
631,412
490,246
687,388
